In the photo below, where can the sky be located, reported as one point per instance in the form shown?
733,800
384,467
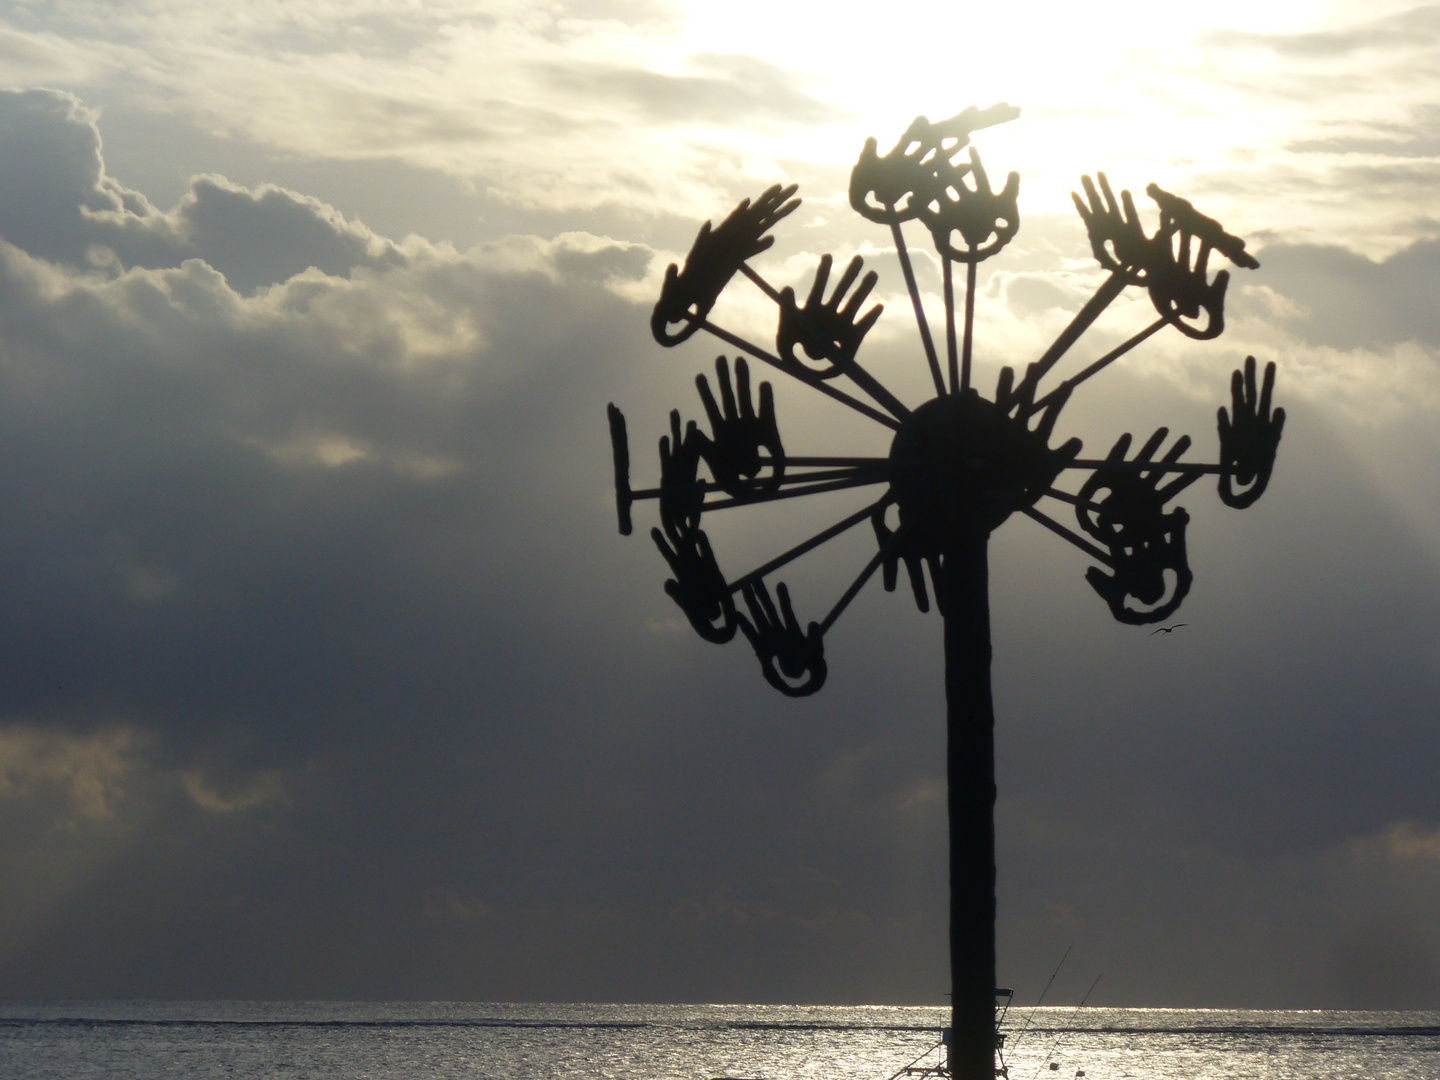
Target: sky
324,672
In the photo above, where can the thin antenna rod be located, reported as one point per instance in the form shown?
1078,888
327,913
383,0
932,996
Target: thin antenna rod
809,545
970,272
808,378
1038,1001
920,319
1058,1038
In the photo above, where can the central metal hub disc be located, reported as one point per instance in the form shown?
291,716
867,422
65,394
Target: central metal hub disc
959,466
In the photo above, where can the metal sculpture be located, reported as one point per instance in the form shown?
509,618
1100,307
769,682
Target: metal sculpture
959,465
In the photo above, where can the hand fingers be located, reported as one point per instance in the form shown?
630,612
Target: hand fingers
1130,215
767,606
866,284
817,290
864,325
1266,388
1181,445
742,390
671,557
727,394
847,279
1111,206
708,400
1003,385
982,179
788,612
1152,444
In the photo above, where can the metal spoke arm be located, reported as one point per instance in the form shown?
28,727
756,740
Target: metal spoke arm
809,545
1096,553
1195,467
799,371
762,490
921,321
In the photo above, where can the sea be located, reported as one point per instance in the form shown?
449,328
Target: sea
248,1040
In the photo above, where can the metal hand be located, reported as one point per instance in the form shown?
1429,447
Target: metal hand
894,188
738,434
986,220
1116,236
914,562
682,492
698,586
688,295
1123,507
1249,442
786,652
1181,290
822,327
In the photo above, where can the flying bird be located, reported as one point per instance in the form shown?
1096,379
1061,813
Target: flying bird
1168,629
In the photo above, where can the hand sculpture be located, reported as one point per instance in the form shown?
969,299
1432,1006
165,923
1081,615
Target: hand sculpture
896,553
1181,290
698,586
737,433
1116,236
682,492
1249,442
786,652
895,188
1144,541
824,329
1039,465
986,220
688,295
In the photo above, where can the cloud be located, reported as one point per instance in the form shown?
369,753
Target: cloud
1344,300
1405,31
733,90
62,206
266,788
83,775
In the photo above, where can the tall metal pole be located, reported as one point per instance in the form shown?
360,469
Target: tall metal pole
970,761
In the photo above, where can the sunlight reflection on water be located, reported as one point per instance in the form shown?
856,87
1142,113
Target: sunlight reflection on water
367,1041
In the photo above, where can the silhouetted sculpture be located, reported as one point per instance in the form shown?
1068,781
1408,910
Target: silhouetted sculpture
959,465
